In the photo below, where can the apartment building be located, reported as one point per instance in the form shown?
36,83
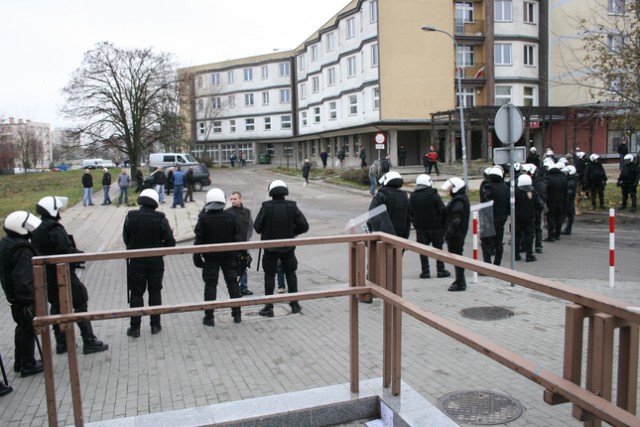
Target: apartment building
25,139
373,68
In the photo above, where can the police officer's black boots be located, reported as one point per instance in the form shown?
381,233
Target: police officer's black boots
61,340
267,311
5,389
91,343
295,307
237,316
460,284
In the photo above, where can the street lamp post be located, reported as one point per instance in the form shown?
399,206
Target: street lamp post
463,138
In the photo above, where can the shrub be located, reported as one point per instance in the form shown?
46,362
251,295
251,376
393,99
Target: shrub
358,176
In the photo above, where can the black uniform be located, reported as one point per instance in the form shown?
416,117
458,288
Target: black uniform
218,226
427,216
398,208
596,179
534,159
498,191
51,238
628,183
16,275
143,229
280,219
541,191
245,222
526,199
570,211
456,226
556,202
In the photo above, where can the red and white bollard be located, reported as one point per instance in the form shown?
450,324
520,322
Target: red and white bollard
475,243
612,251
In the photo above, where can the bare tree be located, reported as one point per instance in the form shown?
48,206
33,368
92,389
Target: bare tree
606,62
27,146
7,149
118,98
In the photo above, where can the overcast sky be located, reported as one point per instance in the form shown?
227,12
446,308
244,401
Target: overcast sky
43,41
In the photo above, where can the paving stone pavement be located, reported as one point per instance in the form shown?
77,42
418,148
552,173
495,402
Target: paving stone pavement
190,365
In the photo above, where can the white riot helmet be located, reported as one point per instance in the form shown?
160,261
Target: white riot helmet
278,188
580,154
628,158
51,206
455,185
553,166
572,170
594,157
549,153
564,170
496,171
392,179
215,200
486,171
517,167
533,150
105,170
532,169
149,197
21,222
563,160
524,180
424,180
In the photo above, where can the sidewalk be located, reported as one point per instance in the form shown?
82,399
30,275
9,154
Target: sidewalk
189,365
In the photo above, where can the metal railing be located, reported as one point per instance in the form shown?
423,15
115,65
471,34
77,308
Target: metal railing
465,28
591,403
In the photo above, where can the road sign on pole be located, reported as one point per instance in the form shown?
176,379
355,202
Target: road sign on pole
380,140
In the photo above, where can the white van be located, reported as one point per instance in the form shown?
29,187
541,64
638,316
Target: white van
170,159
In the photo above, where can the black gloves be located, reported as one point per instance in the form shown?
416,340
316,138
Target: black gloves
198,261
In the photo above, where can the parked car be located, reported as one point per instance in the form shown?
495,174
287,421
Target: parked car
201,176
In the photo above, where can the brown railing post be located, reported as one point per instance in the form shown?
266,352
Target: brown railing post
39,282
66,307
396,317
356,278
628,367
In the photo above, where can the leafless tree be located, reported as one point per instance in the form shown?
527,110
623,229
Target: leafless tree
119,97
7,149
27,146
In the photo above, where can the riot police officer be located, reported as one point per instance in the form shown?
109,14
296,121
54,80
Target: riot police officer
628,182
279,219
496,189
51,238
396,201
456,225
215,225
556,184
144,229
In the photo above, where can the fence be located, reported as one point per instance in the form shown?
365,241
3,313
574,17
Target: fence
383,279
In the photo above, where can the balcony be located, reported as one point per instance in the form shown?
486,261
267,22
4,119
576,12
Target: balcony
474,72
465,28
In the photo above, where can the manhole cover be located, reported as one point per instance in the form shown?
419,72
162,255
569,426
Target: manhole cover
486,313
480,407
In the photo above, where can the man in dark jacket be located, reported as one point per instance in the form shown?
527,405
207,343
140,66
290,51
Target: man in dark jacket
402,156
216,225
533,158
106,185
16,275
87,185
178,187
51,238
540,188
525,217
580,163
306,168
144,229
456,225
628,182
396,201
280,219
496,189
427,216
623,150
159,179
572,188
139,180
245,221
362,155
596,180
556,201
189,182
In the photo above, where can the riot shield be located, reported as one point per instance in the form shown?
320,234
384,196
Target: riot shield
377,219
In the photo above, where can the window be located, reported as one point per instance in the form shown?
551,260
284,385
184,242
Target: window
529,12
614,42
503,95
351,28
314,53
248,100
502,54
331,76
316,115
230,77
232,125
615,7
333,110
232,101
249,125
464,13
215,79
302,62
373,11
264,72
201,128
529,96
303,118
329,41
267,123
376,98
265,98
351,66
217,126
303,90
199,81
285,96
502,10
315,84
248,74
374,55
465,56
529,55
284,69
200,105
353,104
285,122
216,102
468,97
